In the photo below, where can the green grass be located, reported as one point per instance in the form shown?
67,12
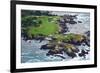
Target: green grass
46,28
49,26
68,37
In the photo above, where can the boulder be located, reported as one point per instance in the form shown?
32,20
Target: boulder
70,50
47,46
77,39
72,22
87,33
71,54
44,47
70,47
87,41
54,51
79,21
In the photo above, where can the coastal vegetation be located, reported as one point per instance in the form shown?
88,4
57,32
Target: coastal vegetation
38,25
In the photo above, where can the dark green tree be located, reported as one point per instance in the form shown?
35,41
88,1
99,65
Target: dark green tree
30,21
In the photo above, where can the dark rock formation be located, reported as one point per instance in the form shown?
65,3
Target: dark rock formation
41,38
72,22
60,56
44,47
87,33
54,51
83,53
47,46
75,39
79,21
70,50
76,50
70,19
71,54
87,41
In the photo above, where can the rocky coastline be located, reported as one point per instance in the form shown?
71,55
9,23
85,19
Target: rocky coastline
63,43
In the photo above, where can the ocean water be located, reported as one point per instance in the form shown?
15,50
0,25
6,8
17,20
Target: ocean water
30,52
84,26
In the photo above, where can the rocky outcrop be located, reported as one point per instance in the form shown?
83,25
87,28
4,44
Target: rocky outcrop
70,19
41,38
76,39
83,53
70,50
54,51
47,46
71,54
69,46
63,26
87,33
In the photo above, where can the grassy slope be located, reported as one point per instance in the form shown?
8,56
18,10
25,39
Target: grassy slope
46,28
